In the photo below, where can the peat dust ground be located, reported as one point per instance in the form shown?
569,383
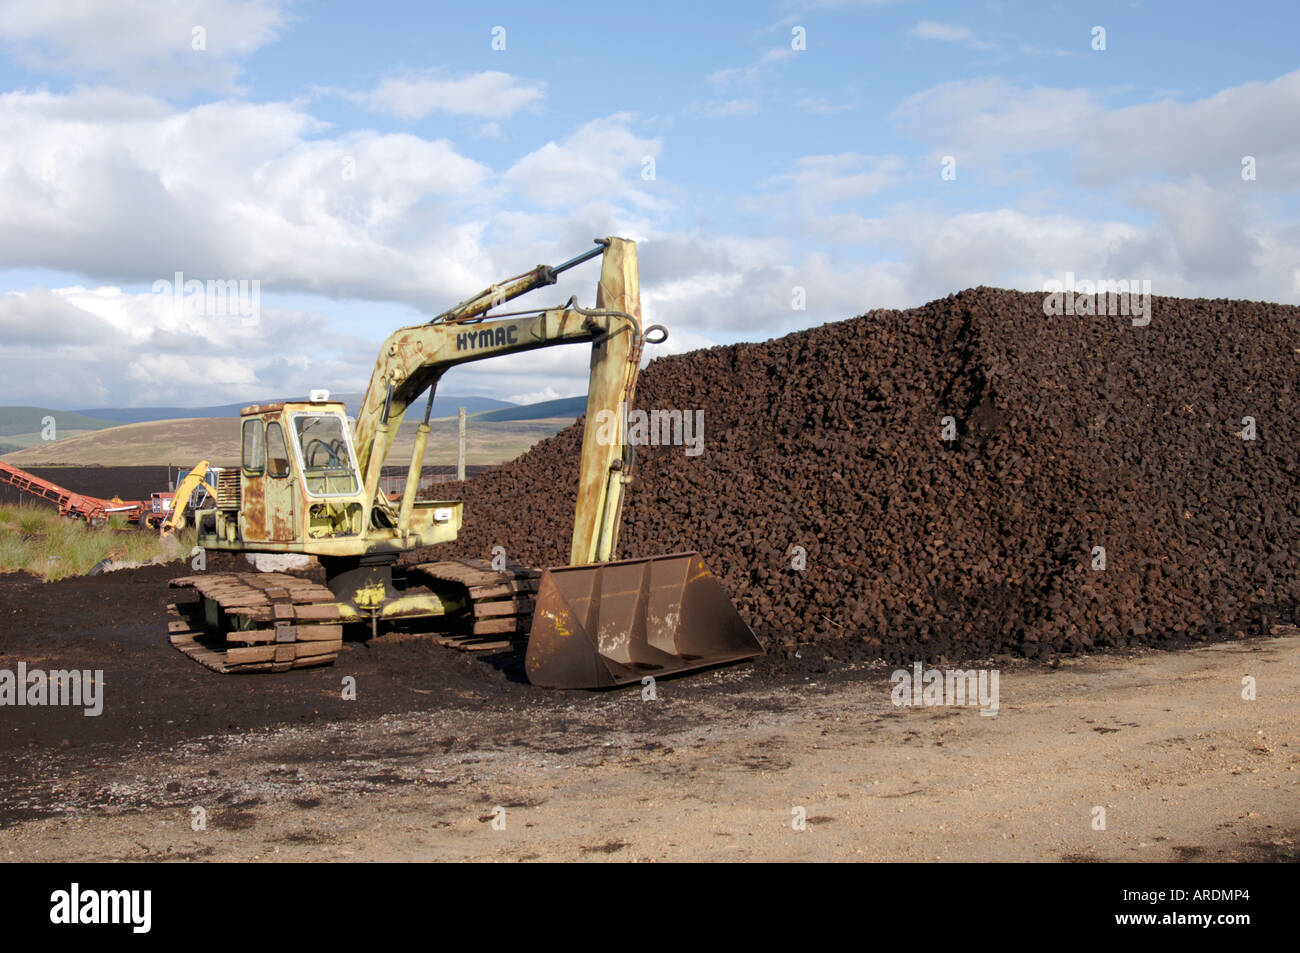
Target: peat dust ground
713,768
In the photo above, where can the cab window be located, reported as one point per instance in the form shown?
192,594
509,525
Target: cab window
254,447
277,452
327,464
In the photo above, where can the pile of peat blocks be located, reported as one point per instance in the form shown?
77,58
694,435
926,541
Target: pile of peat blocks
1080,442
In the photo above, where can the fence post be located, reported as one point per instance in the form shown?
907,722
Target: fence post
460,452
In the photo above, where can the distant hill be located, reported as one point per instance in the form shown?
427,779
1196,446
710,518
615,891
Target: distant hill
498,431
442,407
27,420
185,441
564,407
153,443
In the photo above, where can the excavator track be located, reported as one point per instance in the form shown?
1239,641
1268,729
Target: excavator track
272,622
500,603
256,622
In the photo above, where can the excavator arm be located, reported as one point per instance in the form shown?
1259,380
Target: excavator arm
414,359
185,491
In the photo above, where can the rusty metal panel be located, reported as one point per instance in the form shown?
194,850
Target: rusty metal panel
252,512
281,513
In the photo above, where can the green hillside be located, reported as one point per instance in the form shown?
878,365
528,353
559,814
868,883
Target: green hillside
546,410
27,420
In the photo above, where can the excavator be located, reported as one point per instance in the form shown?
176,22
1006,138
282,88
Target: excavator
309,484
183,499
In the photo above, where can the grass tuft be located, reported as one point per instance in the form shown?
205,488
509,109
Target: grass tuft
39,541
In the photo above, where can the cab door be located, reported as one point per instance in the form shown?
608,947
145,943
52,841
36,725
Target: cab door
267,484
252,480
280,487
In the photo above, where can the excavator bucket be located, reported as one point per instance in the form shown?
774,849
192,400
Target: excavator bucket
615,623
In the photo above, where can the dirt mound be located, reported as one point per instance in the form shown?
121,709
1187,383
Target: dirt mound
1072,433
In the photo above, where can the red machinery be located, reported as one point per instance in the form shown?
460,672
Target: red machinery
77,505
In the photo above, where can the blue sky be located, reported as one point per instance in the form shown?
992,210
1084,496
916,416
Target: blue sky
129,154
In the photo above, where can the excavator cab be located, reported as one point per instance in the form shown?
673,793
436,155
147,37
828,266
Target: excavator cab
297,475
299,489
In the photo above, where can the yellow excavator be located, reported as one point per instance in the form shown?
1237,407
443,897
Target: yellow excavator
183,498
308,484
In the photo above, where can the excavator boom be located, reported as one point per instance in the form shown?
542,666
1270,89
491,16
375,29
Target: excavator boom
414,359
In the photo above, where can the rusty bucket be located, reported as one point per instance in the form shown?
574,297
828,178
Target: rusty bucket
615,623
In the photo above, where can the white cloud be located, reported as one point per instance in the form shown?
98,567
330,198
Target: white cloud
749,75
1207,136
537,396
232,190
602,158
949,33
1212,235
101,346
1199,245
814,104
991,118
142,44
135,190
561,371
1030,49
834,178
722,109
705,287
123,187
488,95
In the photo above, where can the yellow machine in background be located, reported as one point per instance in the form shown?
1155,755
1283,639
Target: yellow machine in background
183,497
308,484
